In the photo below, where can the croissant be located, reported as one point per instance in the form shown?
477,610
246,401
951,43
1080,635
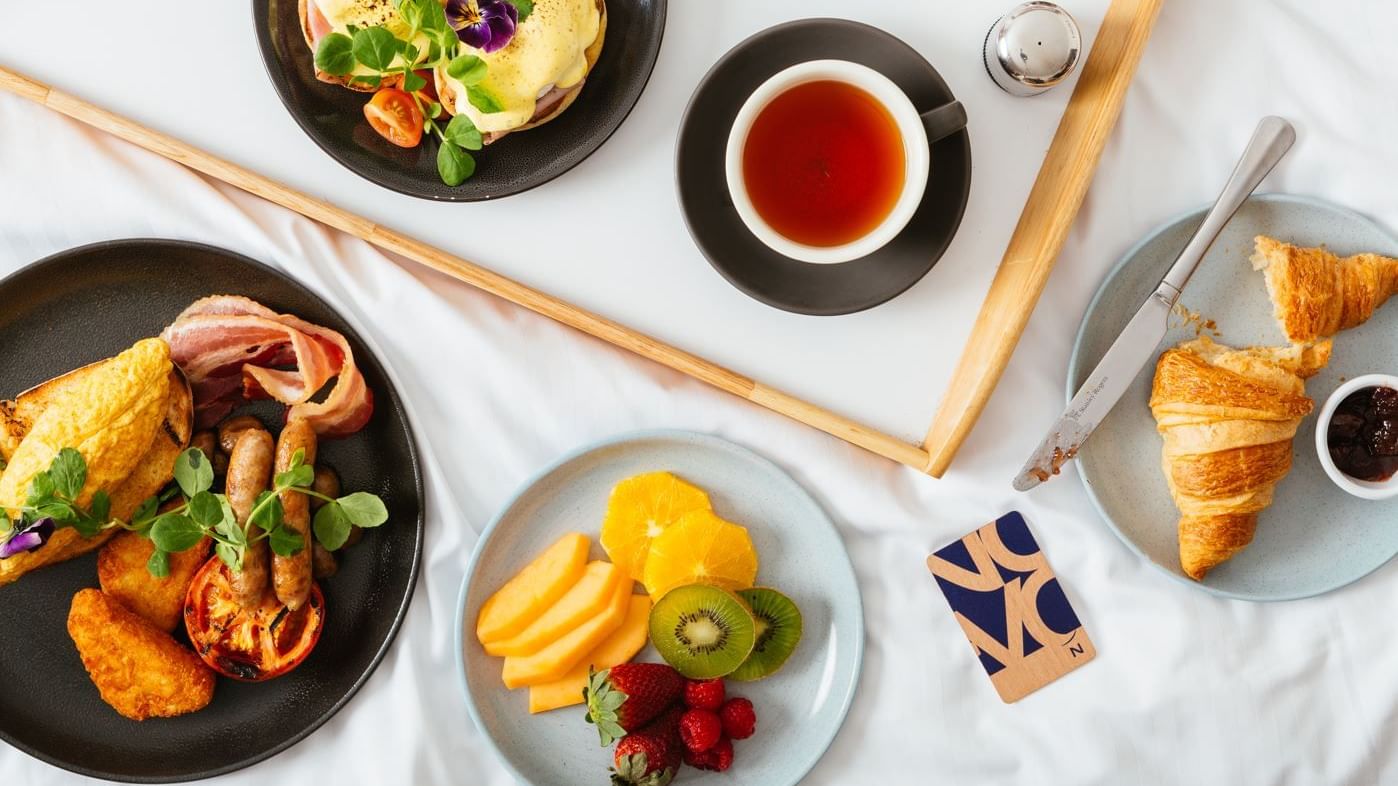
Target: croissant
1317,294
1227,417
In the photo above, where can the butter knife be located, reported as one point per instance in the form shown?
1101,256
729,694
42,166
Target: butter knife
1138,341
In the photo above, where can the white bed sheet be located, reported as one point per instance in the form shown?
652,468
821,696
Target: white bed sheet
1186,688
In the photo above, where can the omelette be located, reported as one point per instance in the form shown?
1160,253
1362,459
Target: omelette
128,416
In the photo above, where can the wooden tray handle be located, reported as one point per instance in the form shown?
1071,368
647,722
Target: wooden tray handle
462,270
1043,226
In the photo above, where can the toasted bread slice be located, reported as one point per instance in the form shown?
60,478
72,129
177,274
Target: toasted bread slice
12,431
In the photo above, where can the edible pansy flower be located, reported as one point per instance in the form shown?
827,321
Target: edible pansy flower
487,25
27,537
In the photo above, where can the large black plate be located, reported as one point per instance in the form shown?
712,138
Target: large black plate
333,116
736,253
89,303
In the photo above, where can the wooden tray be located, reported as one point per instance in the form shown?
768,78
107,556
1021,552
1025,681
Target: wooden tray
1053,203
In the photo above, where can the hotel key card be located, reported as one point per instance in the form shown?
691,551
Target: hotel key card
1010,605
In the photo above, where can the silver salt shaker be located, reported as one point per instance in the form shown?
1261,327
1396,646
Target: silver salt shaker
1032,48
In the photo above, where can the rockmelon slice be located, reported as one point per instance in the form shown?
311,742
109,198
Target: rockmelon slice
618,648
555,660
587,598
539,585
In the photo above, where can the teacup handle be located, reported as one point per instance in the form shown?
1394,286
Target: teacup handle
944,121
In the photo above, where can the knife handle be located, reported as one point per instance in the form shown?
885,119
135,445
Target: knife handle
1273,137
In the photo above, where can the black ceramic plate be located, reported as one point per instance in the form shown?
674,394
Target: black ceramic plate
736,253
89,303
333,116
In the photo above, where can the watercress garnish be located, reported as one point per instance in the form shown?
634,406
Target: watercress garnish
389,58
51,504
53,495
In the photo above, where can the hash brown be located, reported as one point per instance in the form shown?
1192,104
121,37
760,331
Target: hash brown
139,670
121,569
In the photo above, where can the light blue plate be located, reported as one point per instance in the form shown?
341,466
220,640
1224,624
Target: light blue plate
799,709
1314,537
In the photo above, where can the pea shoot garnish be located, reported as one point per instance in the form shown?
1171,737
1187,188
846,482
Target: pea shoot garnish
199,512
399,60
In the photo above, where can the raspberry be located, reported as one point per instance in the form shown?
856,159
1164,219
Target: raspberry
700,730
718,758
739,719
704,694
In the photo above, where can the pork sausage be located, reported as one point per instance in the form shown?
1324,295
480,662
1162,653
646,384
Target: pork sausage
291,576
250,474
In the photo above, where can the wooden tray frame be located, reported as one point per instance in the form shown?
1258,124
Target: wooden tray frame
1053,203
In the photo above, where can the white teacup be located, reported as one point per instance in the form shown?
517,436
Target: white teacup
916,129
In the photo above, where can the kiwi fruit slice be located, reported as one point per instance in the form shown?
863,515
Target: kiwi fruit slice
702,631
778,633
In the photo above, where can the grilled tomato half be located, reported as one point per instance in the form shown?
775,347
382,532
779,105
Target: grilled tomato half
248,645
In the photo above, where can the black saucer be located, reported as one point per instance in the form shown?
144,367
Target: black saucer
333,116
801,287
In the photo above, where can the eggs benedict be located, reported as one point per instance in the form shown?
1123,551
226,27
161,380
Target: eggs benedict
532,78
320,18
539,73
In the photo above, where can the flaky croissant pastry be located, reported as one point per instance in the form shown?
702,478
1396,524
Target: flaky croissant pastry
1317,294
1227,417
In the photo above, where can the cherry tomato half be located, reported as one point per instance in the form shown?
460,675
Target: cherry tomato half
395,115
251,646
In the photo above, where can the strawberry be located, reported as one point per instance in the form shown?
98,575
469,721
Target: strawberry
700,729
739,719
651,756
704,694
717,758
624,698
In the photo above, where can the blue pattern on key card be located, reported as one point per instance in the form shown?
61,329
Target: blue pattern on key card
979,595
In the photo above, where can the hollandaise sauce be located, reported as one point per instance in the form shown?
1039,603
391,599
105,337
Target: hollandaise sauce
548,51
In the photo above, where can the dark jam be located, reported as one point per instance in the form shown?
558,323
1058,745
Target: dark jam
1363,435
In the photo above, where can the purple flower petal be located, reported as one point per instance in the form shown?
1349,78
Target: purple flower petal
27,538
460,14
477,35
502,30
509,8
487,25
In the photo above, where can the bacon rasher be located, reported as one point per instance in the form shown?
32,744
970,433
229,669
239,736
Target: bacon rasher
234,349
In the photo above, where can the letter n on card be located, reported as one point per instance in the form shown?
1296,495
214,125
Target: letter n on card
1008,602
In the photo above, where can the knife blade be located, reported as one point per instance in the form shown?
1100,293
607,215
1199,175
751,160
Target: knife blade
1137,343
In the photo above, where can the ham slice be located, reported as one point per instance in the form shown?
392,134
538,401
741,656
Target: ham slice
543,107
319,25
234,349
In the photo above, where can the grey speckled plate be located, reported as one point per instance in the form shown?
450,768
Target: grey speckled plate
1314,537
799,709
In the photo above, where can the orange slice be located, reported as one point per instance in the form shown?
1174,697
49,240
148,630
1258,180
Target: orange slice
640,508
701,549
